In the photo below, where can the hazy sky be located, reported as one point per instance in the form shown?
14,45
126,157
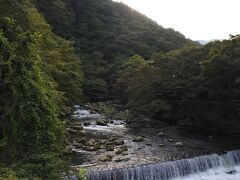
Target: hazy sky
196,19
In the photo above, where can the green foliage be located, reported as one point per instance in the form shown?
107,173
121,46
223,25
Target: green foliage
30,106
40,166
58,58
7,174
192,86
105,34
3,142
30,64
82,174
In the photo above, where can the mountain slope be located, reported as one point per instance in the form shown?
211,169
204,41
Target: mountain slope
105,33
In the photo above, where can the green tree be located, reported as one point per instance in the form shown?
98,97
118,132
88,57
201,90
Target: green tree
29,119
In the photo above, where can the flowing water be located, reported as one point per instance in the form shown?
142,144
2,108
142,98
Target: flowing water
156,157
212,167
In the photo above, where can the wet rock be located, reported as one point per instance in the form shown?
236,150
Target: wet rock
161,145
118,142
112,138
106,121
110,148
74,151
178,144
170,140
161,134
120,159
232,172
73,124
86,123
91,142
124,148
121,150
114,141
82,133
102,147
72,131
80,145
91,148
77,128
101,123
103,141
106,158
82,140
138,139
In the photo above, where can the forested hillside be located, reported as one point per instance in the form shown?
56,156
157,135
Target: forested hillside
196,87
105,33
39,74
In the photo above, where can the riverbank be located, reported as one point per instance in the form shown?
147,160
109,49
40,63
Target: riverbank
102,139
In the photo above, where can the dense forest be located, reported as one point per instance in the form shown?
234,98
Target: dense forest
105,33
54,54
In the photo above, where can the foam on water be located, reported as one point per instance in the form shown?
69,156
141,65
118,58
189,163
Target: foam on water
202,168
83,113
215,174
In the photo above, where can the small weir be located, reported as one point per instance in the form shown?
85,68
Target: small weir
227,164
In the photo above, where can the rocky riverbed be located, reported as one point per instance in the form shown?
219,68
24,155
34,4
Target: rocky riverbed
103,136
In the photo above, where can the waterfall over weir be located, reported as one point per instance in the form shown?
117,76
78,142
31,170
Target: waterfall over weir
229,164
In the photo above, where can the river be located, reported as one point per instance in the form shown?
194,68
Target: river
115,145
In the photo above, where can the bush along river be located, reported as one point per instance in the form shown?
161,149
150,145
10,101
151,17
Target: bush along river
112,145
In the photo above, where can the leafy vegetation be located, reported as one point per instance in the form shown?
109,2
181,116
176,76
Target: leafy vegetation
33,71
105,33
192,86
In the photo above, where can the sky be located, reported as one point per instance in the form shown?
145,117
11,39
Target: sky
196,19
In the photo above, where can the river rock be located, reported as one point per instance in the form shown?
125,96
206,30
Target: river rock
77,128
170,140
101,123
72,131
75,123
79,145
91,148
103,141
86,123
161,145
82,140
106,158
91,142
118,142
121,150
161,134
178,144
110,148
232,172
120,159
138,139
